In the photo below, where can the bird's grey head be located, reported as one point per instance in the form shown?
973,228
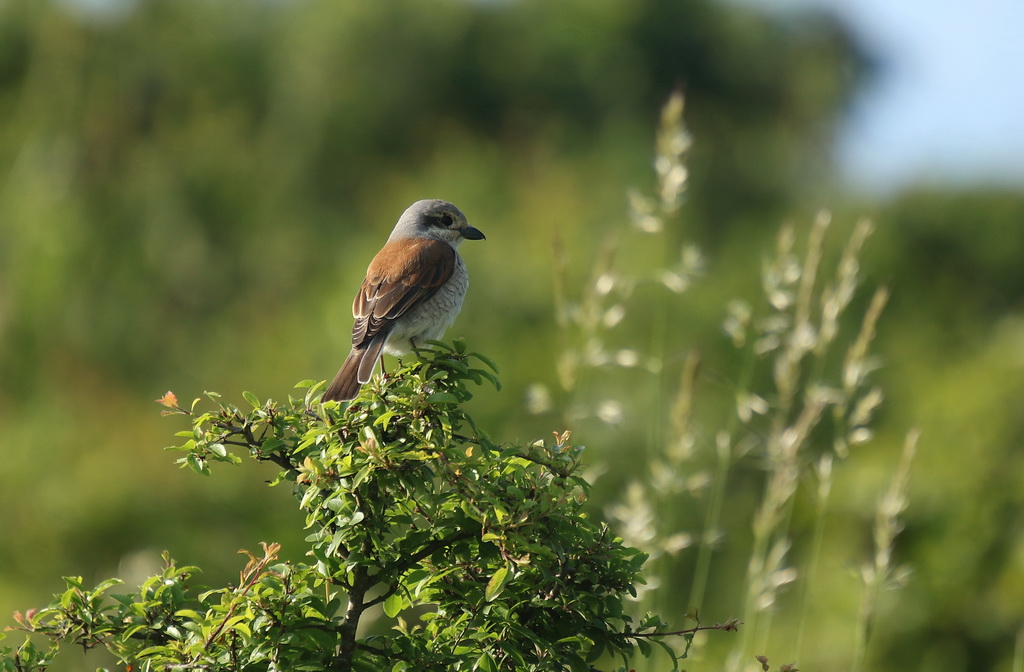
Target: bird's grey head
436,219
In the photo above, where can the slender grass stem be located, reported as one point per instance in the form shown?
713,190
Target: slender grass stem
1018,652
713,517
817,542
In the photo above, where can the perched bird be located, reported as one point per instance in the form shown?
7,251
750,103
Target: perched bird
412,292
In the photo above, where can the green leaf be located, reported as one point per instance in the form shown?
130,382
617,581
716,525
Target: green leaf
196,464
486,360
461,367
394,604
155,650
491,377
443,347
384,419
107,585
251,398
485,663
363,474
673,656
310,493
497,583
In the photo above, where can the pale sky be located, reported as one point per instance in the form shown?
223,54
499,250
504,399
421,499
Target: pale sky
948,106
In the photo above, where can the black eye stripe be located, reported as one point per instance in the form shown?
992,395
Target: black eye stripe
445,219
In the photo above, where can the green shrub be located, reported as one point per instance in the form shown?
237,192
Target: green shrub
481,556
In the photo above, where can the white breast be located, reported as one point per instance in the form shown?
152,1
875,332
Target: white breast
429,320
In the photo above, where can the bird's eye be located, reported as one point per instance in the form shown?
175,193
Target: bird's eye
446,219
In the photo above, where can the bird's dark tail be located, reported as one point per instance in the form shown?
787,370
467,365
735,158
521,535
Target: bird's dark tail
346,384
355,371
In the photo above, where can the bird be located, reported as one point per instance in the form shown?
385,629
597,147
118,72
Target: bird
412,293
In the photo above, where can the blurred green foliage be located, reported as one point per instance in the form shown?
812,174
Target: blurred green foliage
190,191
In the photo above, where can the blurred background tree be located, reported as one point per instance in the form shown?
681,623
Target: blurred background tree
190,191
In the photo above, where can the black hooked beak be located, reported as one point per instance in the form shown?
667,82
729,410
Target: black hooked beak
473,233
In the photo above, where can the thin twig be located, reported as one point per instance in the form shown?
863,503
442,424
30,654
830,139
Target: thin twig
731,625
